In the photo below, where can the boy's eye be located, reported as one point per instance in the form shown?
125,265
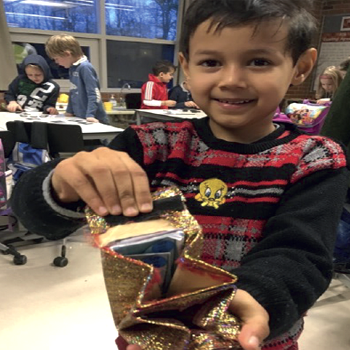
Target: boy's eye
260,62
210,63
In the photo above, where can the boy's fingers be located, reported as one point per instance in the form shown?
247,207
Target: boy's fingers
106,180
255,320
253,333
134,347
132,184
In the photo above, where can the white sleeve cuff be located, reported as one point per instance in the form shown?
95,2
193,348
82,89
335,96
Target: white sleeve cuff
152,103
51,202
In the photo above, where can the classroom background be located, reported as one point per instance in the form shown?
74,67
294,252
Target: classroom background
49,308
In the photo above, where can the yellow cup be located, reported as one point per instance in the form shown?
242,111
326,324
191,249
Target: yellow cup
108,106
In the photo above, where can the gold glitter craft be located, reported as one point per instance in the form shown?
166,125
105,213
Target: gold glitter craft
194,313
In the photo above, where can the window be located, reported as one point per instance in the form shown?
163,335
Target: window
154,19
122,38
73,16
22,50
131,62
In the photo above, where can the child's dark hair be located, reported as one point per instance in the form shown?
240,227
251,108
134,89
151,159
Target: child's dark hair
234,13
163,66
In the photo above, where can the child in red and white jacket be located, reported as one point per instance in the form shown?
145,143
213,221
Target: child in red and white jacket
154,93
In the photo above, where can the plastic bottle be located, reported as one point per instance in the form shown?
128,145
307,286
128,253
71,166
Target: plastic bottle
113,101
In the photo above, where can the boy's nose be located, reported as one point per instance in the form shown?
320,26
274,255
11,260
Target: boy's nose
233,77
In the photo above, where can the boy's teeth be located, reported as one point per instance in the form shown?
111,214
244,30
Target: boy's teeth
235,102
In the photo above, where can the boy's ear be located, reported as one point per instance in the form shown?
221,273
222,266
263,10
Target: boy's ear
304,66
184,65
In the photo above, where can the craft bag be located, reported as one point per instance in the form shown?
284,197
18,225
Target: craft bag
193,312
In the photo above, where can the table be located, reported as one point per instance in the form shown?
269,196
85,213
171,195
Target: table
90,131
167,114
121,117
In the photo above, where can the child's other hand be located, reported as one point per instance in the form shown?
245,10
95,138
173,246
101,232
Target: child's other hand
92,120
106,180
255,320
170,103
13,106
191,104
255,327
52,110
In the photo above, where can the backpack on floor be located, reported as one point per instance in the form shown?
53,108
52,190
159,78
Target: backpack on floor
31,152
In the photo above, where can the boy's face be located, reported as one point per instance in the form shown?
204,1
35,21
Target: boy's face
66,60
35,74
238,77
166,77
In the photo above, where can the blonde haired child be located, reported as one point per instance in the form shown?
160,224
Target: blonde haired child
329,82
84,95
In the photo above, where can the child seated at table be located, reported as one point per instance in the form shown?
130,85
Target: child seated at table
84,95
33,90
182,95
329,82
154,93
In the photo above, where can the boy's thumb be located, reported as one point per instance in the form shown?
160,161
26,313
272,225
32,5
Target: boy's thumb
253,334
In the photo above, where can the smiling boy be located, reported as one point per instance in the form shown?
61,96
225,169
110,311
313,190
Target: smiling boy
268,198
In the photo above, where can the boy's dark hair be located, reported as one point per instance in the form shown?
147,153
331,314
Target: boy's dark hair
163,66
234,13
344,66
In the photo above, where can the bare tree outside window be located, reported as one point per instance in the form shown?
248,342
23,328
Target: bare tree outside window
61,15
154,19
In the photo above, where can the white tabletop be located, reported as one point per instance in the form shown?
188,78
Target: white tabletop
89,130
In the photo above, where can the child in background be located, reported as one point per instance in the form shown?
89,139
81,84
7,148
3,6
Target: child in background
268,197
34,90
329,82
154,93
182,95
84,95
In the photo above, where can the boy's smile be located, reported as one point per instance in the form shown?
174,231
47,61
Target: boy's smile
239,75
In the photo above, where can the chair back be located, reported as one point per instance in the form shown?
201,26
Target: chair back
64,139
133,100
8,142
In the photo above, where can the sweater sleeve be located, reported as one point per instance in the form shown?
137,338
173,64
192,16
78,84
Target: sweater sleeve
292,266
34,204
12,92
89,76
30,201
148,95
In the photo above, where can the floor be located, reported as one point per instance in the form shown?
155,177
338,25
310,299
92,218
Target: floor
50,308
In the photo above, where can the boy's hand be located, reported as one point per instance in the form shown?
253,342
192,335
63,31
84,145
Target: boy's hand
92,120
169,103
108,181
52,110
255,320
254,317
191,104
13,106
69,114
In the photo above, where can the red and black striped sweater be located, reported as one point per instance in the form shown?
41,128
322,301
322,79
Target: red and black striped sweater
269,210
